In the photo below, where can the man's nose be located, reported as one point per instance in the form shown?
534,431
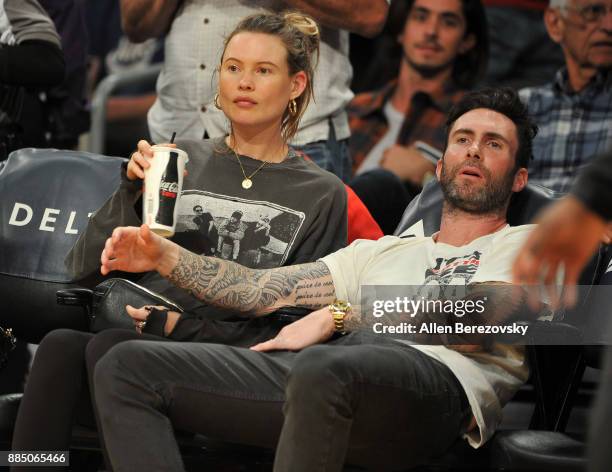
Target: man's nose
606,21
474,150
432,27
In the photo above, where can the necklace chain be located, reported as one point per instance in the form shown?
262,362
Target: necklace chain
247,183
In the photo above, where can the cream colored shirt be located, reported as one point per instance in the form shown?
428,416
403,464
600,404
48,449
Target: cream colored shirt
490,378
188,81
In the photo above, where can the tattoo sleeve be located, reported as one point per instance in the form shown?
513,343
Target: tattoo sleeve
354,320
258,291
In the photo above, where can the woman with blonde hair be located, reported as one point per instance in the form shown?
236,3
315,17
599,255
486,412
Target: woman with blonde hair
265,84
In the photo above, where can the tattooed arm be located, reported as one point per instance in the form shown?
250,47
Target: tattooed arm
216,281
258,291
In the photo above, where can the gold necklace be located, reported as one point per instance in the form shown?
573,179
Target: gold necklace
247,183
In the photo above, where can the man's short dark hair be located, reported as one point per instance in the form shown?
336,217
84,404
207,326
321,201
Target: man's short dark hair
507,102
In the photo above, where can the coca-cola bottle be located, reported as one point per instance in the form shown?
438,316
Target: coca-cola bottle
168,191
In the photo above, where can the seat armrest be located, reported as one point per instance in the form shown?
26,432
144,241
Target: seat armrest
75,297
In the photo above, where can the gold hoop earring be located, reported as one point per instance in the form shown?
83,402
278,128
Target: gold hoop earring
292,107
216,101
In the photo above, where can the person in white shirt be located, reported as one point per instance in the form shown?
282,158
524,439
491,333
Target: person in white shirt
325,391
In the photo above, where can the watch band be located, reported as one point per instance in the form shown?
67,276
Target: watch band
339,310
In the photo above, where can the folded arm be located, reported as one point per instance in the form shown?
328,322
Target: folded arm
364,17
144,19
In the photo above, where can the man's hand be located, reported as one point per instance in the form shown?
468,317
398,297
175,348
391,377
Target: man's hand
364,17
567,234
144,19
315,328
133,249
607,237
407,163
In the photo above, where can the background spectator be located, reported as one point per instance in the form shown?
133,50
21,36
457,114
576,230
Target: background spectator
443,47
31,60
65,105
522,54
574,112
112,52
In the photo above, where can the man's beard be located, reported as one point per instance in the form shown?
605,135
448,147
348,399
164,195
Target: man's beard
492,197
428,71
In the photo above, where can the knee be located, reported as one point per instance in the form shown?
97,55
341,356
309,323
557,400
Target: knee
125,357
102,342
321,368
120,365
64,346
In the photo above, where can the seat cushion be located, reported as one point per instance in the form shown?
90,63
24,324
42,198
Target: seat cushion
536,450
9,404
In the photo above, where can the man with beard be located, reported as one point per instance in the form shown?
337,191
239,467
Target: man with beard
442,48
397,132
323,391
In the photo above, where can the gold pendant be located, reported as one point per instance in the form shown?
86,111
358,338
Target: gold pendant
247,183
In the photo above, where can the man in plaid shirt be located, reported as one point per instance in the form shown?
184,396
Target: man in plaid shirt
574,113
444,46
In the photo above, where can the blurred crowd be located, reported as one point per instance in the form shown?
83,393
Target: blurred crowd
385,80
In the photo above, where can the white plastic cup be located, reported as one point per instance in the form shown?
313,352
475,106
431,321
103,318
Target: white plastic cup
163,184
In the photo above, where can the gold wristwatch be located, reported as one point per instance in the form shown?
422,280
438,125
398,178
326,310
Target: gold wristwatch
339,310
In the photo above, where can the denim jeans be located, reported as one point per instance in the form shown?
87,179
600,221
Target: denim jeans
372,402
331,155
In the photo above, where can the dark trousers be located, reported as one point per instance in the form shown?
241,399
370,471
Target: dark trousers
332,155
373,402
57,393
385,196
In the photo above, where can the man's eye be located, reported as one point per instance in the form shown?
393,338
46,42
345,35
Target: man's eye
264,70
593,12
451,22
462,140
419,16
495,144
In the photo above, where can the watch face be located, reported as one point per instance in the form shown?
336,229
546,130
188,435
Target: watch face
341,305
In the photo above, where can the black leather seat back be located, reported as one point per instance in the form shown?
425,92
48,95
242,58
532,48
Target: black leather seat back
47,197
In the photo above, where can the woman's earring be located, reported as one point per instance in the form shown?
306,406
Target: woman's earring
216,101
292,107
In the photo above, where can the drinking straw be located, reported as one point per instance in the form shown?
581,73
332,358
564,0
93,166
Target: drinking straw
172,138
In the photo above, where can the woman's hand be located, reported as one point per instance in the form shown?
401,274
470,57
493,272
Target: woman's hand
139,160
140,316
315,328
132,249
407,163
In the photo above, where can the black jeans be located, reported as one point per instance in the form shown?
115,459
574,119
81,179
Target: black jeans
385,196
371,401
57,393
